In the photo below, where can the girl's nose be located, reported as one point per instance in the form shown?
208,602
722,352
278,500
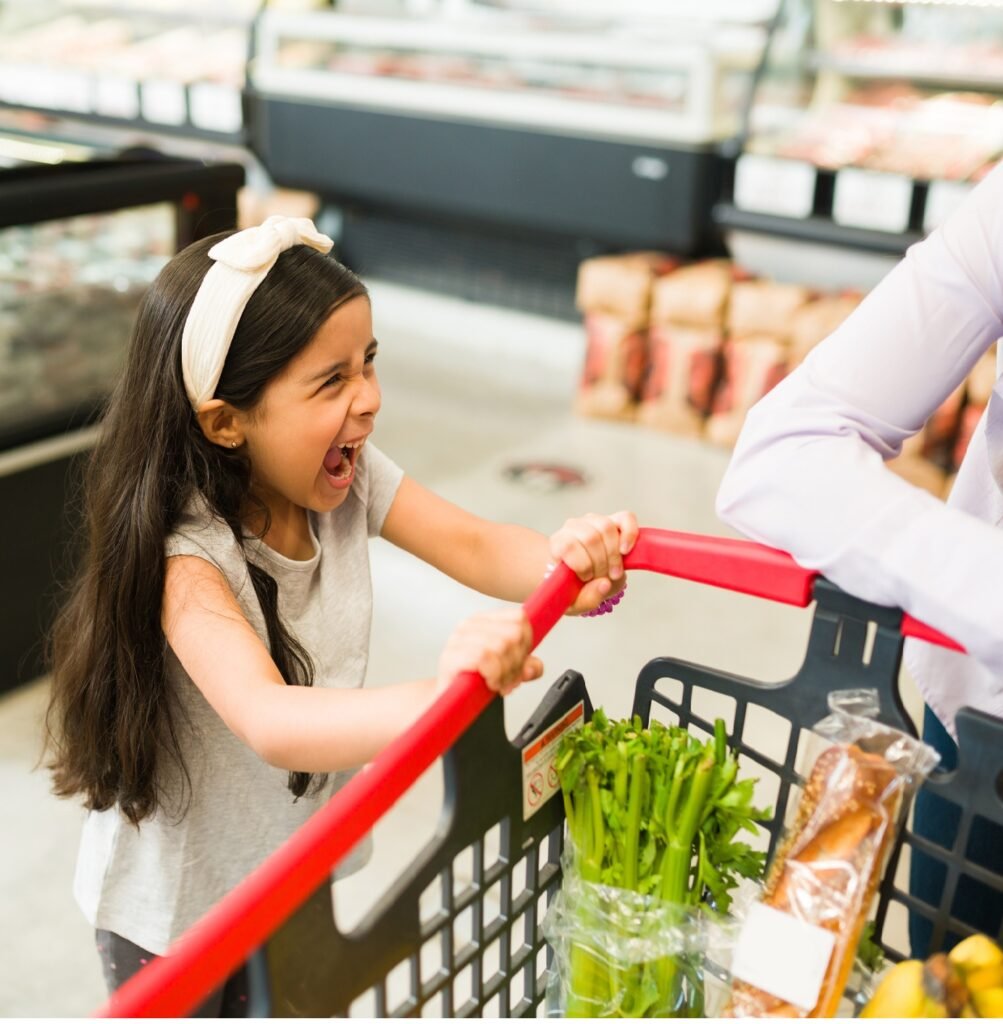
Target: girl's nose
368,397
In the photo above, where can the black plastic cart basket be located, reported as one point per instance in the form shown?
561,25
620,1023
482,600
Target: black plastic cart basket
436,946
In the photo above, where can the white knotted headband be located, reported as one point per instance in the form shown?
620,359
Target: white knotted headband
242,262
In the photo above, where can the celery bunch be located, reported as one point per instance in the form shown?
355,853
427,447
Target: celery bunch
657,812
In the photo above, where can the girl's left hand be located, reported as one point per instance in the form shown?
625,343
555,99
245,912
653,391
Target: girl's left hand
594,547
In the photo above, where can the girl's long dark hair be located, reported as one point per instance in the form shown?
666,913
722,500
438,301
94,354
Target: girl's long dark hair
112,721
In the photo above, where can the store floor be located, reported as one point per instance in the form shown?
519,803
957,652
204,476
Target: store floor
469,393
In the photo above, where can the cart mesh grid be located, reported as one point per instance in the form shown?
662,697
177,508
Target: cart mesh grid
460,934
477,956
853,644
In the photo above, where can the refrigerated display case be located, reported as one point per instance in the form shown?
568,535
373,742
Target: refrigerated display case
174,69
532,122
870,120
80,240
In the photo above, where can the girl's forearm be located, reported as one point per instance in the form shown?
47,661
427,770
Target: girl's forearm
320,729
508,561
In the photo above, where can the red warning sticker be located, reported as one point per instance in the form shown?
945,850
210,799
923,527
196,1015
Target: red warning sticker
539,774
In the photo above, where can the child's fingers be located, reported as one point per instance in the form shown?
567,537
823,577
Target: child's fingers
592,594
567,547
626,523
495,645
532,668
609,531
580,544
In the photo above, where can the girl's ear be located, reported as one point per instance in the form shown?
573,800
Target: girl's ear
220,423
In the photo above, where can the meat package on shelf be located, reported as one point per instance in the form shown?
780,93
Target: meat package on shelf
689,348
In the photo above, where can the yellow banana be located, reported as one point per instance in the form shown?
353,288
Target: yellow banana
980,961
943,985
989,1002
900,992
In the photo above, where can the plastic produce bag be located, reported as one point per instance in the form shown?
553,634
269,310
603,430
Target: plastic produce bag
619,953
798,946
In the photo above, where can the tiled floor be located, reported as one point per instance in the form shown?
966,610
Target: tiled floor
467,393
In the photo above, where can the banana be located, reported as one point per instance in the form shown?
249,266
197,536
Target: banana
944,986
989,1002
980,961
917,989
899,993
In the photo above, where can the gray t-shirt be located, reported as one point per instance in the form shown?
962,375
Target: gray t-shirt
150,884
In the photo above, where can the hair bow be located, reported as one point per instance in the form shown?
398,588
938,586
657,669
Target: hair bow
240,263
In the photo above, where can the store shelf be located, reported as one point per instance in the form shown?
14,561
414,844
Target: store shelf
868,127
821,230
921,74
35,194
137,124
171,70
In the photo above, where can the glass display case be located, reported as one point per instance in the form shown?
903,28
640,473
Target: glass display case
679,79
81,237
581,120
164,67
871,119
69,291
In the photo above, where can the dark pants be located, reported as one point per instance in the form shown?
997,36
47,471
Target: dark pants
937,820
121,959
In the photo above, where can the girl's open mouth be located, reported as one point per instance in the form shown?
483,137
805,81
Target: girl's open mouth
339,463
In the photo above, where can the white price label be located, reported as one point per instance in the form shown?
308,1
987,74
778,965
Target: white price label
23,84
163,102
539,771
783,956
116,97
215,107
942,199
872,199
766,184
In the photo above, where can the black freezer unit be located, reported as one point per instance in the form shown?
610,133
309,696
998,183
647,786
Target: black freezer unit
498,145
79,243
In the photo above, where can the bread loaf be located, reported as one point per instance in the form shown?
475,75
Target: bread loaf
827,869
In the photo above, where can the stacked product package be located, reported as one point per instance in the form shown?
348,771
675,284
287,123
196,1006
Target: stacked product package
689,348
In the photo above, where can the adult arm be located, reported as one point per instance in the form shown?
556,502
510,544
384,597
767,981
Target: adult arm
808,472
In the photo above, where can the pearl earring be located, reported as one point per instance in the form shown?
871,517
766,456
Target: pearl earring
233,444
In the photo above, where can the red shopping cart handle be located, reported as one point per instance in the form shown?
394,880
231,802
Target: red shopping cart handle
739,565
223,939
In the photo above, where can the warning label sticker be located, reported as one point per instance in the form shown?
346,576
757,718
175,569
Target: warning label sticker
539,773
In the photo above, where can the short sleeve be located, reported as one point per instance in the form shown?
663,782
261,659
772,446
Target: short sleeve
202,535
179,544
384,477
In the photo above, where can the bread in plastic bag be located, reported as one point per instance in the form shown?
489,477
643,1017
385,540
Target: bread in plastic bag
829,863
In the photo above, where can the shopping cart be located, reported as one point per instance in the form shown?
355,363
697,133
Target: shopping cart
438,944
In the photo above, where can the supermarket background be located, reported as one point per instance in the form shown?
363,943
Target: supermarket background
595,234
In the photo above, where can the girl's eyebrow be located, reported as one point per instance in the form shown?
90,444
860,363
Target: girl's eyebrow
330,371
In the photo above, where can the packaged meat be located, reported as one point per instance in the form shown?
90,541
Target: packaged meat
696,295
683,369
816,320
764,307
621,285
615,361
752,366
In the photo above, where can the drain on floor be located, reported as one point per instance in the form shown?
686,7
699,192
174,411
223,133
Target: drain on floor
545,477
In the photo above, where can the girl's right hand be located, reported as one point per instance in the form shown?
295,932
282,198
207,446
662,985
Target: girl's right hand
496,644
